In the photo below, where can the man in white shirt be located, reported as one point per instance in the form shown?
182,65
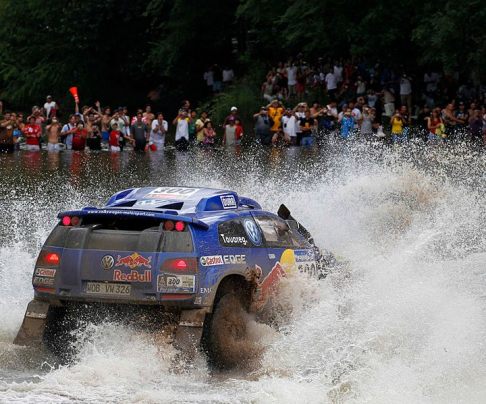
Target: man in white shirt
228,76
157,133
406,91
331,84
50,107
338,72
181,122
291,79
289,126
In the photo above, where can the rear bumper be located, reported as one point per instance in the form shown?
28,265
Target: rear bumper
182,301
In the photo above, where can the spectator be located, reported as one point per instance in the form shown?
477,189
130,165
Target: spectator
267,90
53,131
209,134
192,127
181,123
291,79
229,137
50,107
7,127
228,76
79,137
388,101
406,91
208,77
94,137
289,125
140,132
434,125
200,127
476,126
263,123
462,116
275,112
307,125
397,124
115,135
347,124
331,84
67,132
148,116
32,132
232,115
367,122
157,134
105,122
239,131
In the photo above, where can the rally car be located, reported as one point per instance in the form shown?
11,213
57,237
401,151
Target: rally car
178,253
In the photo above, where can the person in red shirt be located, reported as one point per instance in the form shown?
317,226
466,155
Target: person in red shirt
79,137
32,132
115,136
238,131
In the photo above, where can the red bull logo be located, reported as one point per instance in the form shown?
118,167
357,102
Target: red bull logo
133,276
134,260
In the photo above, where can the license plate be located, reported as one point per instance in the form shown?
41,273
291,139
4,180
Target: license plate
111,289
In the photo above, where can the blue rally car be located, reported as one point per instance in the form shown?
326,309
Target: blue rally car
179,253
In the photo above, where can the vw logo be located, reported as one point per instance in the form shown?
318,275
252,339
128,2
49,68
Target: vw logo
253,232
107,262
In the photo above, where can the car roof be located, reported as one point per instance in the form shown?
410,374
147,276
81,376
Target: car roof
200,206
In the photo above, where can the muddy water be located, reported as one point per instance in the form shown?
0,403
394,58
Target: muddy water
405,323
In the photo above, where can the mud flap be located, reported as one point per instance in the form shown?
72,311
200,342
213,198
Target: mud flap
189,332
32,329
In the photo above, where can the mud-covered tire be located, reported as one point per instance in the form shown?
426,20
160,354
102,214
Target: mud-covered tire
59,337
228,342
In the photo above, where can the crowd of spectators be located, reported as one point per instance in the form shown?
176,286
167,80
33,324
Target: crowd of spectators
351,101
104,128
367,100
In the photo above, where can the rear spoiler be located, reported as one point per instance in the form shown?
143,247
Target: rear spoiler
133,213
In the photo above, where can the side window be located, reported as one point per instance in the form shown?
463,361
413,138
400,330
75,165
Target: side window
232,234
276,231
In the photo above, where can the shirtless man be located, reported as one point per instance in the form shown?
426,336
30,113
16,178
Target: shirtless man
53,131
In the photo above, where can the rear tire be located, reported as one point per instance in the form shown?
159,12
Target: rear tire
59,336
227,339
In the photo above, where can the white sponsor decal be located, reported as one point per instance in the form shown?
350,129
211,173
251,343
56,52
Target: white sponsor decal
176,283
171,192
234,259
38,281
228,201
234,239
47,272
209,260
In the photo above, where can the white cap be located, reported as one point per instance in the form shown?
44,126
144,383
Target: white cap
233,108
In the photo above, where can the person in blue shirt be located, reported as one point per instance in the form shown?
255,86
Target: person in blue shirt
347,124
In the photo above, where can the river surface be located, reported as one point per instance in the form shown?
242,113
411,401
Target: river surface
407,324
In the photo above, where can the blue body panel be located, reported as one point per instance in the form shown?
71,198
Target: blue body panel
155,277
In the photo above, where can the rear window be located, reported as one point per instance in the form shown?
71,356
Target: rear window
121,235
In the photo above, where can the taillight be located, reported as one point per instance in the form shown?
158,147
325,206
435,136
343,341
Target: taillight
70,221
180,264
169,225
49,258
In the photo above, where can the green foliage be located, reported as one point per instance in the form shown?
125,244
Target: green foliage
453,35
121,48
